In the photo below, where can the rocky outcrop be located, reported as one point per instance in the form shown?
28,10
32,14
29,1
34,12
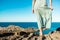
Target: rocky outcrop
54,35
13,32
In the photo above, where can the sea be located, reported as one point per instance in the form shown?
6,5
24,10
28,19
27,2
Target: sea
34,25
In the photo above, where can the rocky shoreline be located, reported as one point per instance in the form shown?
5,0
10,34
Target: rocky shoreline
13,32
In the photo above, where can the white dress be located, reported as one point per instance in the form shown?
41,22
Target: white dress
43,14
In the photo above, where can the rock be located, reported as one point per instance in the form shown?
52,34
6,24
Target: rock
58,29
24,33
54,35
8,33
13,32
30,30
15,28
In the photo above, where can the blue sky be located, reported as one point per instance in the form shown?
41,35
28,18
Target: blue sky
21,11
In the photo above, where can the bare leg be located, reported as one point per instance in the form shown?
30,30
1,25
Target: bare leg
41,33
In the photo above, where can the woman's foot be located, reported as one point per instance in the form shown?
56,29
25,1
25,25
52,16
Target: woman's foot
41,36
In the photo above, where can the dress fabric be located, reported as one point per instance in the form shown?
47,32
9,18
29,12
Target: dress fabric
43,13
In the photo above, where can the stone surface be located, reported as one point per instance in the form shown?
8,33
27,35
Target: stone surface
13,32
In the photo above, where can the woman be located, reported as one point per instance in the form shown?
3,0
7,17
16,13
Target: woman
43,13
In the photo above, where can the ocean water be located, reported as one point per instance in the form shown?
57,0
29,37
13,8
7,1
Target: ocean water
54,25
